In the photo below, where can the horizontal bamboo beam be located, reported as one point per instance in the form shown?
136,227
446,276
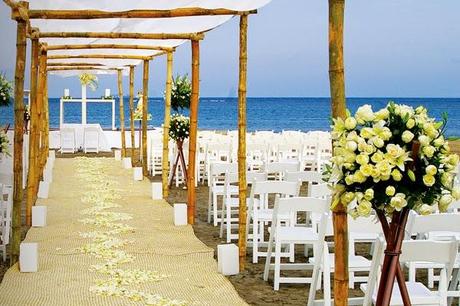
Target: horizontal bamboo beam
81,68
100,56
97,14
73,64
112,35
109,46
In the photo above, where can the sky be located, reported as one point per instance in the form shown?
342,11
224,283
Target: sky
393,48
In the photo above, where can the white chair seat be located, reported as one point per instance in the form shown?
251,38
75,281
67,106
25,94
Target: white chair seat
235,202
355,263
219,189
266,215
295,233
419,294
444,235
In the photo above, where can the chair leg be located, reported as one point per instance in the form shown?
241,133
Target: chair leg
327,279
276,278
228,223
430,278
255,241
224,219
412,272
209,206
351,280
214,208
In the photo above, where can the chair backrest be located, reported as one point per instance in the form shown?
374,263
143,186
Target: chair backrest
319,190
418,224
219,168
372,281
281,167
275,187
304,176
302,204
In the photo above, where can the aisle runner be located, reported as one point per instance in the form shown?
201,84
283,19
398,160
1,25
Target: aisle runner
108,243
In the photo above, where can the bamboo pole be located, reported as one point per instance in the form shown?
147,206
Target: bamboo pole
110,46
82,68
21,44
113,35
337,88
56,64
98,14
145,110
34,134
122,114
44,115
131,112
194,101
46,121
40,107
166,125
242,184
100,56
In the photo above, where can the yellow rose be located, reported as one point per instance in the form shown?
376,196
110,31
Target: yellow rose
378,142
390,191
396,175
366,170
431,170
359,177
369,149
369,194
364,114
429,180
398,202
439,142
364,208
453,159
349,180
407,136
424,140
350,123
410,123
367,133
377,157
444,202
351,146
382,114
347,197
446,180
362,159
425,209
428,151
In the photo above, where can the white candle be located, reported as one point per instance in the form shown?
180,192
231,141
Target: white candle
107,93
66,92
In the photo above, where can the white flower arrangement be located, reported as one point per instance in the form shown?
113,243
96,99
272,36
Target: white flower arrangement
392,159
179,127
6,91
4,144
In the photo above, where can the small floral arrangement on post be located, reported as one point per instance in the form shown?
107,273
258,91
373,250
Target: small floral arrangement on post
4,144
107,97
66,98
138,111
90,80
181,92
6,91
180,126
392,161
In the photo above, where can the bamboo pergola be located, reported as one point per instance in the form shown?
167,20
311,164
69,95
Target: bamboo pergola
58,55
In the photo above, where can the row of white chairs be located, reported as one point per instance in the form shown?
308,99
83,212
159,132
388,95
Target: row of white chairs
69,142
6,206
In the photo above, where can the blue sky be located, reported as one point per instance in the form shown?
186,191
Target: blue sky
393,48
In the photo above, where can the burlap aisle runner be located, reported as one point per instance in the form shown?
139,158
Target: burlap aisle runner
108,243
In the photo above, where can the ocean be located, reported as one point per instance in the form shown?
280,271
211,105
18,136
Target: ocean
305,114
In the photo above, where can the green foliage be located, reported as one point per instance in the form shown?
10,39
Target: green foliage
179,127
181,93
6,91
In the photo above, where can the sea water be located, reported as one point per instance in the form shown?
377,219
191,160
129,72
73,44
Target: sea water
305,114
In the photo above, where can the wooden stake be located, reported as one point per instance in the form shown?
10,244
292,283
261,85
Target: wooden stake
166,125
145,110
34,134
113,35
337,87
131,112
194,101
122,113
97,14
242,184
110,46
18,133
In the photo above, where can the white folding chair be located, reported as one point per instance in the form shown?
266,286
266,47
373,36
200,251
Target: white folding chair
230,204
259,213
442,253
68,144
6,207
91,140
291,233
276,170
216,181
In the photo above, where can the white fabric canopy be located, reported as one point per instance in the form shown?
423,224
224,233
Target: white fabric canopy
189,24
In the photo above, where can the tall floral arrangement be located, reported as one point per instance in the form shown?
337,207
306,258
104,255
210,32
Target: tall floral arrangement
392,161
181,93
180,126
87,79
4,144
6,91
138,111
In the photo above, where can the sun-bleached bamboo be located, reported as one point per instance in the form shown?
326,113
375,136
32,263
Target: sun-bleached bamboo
58,64
194,101
101,56
242,186
122,113
34,133
145,110
109,46
46,122
19,106
41,110
97,14
166,125
131,112
81,68
338,105
114,35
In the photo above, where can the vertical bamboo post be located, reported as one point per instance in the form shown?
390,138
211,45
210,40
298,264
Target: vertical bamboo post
337,88
46,114
166,125
145,110
131,112
242,185
194,101
40,113
34,133
21,44
122,113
